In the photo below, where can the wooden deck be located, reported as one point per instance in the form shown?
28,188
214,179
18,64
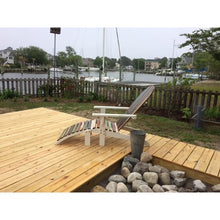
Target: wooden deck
31,162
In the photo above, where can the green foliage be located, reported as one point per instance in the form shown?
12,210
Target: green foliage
186,113
179,83
163,62
138,63
88,98
26,99
8,94
101,98
213,114
31,55
81,99
98,62
46,90
125,61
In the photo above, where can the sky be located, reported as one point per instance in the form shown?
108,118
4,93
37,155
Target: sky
147,43
146,29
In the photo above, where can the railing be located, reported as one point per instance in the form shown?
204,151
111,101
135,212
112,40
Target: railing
169,100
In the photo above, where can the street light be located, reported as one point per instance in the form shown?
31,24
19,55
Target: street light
54,30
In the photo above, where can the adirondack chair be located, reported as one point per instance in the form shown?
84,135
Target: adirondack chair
104,127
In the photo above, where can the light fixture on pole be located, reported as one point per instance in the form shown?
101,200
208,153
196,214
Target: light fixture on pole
54,30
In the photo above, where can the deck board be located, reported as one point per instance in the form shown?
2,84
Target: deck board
31,162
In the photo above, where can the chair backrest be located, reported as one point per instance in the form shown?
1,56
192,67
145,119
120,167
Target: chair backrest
140,100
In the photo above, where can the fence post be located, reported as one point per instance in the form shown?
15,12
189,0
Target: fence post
198,119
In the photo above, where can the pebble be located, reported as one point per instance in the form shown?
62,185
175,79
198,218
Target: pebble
134,176
179,182
127,164
144,188
136,184
164,179
146,157
157,188
141,167
155,169
199,186
125,172
169,187
111,186
98,188
117,178
177,174
216,188
121,187
133,161
151,178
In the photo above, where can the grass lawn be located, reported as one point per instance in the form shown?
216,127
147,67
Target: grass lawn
207,85
165,127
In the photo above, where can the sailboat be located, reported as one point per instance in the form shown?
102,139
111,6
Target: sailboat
102,77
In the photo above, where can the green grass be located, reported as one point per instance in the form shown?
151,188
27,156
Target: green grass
207,85
165,127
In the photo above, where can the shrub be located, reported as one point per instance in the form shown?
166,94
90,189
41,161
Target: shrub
186,113
81,99
213,113
9,94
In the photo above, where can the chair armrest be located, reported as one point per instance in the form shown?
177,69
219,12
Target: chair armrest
113,115
111,107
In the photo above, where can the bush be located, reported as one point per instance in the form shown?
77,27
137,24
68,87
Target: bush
46,90
9,94
81,99
101,98
186,113
213,114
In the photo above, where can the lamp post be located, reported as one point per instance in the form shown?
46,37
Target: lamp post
54,31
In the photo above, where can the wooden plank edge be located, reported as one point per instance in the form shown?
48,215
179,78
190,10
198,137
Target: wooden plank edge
191,173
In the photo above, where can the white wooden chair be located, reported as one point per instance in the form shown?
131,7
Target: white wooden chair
104,127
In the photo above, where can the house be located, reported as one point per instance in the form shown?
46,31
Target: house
151,65
7,55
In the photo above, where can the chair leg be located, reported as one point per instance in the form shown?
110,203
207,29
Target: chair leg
87,138
102,139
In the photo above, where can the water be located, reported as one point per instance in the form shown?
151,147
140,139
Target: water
127,76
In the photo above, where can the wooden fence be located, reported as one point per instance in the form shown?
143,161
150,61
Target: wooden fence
169,100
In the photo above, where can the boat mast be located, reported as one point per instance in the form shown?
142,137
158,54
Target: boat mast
103,56
119,54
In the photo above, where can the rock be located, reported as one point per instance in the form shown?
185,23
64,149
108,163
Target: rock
134,176
125,172
164,170
157,188
144,188
171,191
111,187
182,189
169,187
133,161
136,184
155,169
141,168
146,157
164,179
177,174
127,164
98,188
216,188
179,182
121,187
117,178
199,186
151,178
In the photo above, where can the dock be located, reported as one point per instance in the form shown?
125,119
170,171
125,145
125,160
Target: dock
31,162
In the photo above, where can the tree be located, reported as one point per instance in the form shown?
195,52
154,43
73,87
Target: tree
125,61
31,54
163,62
98,62
138,63
70,50
204,41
